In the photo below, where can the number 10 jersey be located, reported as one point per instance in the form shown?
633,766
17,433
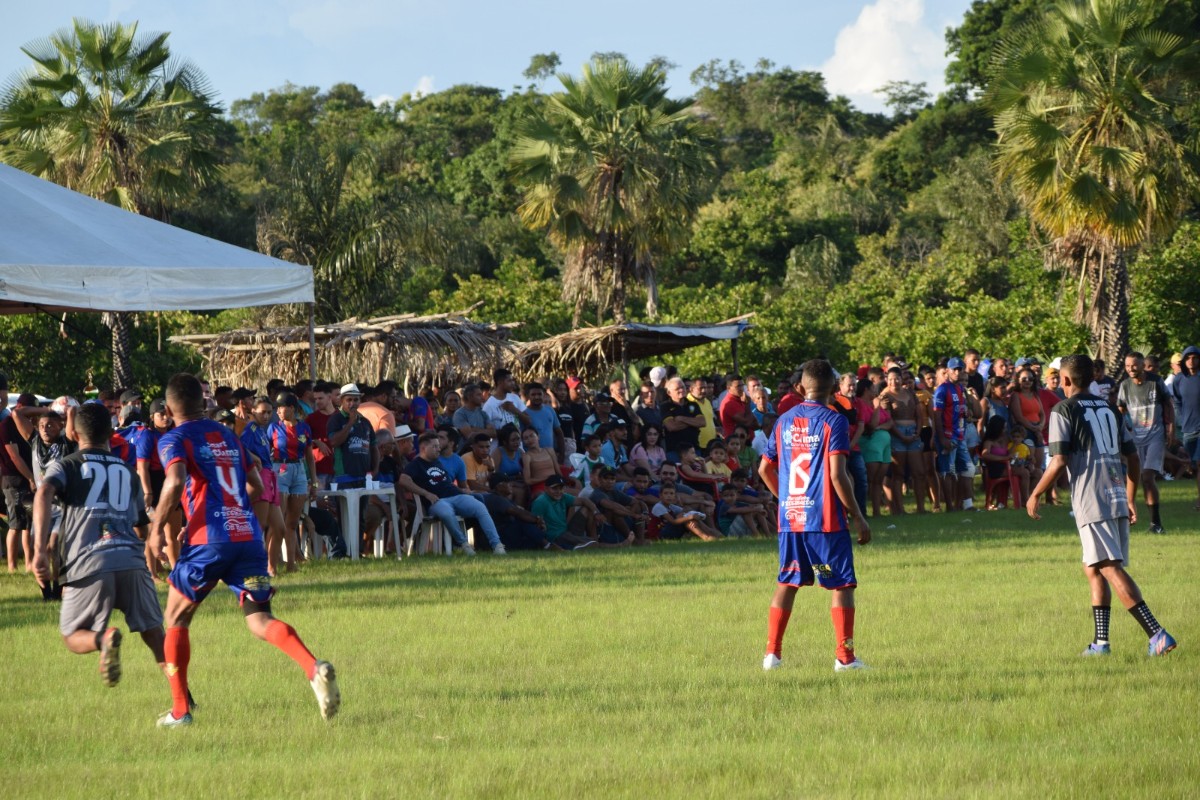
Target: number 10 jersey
800,448
1088,434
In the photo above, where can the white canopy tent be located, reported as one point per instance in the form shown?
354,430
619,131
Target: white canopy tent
64,251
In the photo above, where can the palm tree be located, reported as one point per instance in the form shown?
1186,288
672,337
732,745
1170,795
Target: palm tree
615,171
1085,103
110,114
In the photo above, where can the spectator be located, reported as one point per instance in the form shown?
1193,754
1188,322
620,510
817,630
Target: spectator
974,379
647,407
537,464
451,402
1103,386
318,420
613,451
1144,402
682,419
295,472
675,521
649,453
543,418
505,407
375,406
518,528
735,408
570,521
954,465
794,395
448,456
1185,392
760,399
560,401
699,394
471,420
578,393
478,463
17,483
604,415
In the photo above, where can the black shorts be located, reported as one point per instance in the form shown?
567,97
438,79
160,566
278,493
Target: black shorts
18,500
927,440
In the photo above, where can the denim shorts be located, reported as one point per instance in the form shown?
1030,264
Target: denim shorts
1192,446
290,478
957,461
908,429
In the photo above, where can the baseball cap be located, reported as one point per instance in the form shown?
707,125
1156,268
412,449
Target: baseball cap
657,375
1034,362
1177,358
130,395
158,407
603,397
554,480
242,393
863,369
573,381
954,363
1191,350
129,415
350,390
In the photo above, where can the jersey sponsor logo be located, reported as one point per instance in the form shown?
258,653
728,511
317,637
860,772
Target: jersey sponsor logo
824,570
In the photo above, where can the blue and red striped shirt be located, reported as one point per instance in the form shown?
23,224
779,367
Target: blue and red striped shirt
949,410
289,442
800,448
215,501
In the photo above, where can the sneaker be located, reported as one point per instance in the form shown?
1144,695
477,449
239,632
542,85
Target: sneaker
499,550
1094,649
324,684
585,545
855,664
1157,528
468,550
110,657
169,720
771,661
1161,643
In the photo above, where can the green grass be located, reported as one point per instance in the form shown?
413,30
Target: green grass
637,674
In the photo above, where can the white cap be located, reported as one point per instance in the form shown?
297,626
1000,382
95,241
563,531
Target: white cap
657,375
351,389
1056,363
402,431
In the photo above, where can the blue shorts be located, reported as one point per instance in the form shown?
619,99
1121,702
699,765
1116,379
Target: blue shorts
957,461
827,556
1192,446
241,565
907,429
291,478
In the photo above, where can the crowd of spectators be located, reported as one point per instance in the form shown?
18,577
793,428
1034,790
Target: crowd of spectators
562,466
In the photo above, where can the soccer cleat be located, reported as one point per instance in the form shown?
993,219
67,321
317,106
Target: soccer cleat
499,550
169,720
1161,643
585,545
110,657
191,702
838,666
468,550
1094,649
771,661
324,684
1157,529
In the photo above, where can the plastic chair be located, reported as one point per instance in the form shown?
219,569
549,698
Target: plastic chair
998,490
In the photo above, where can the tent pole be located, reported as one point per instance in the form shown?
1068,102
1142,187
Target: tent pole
312,342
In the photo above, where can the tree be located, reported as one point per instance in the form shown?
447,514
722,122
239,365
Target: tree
108,113
615,171
1085,103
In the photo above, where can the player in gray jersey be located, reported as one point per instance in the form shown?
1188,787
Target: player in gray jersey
101,556
1088,441
1144,401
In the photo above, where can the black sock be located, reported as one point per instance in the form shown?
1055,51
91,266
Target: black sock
1100,615
1141,612
1154,513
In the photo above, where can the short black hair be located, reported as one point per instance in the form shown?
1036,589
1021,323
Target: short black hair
1080,369
499,374
93,422
184,390
641,471
481,437
428,436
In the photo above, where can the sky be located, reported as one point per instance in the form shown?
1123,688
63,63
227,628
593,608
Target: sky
392,47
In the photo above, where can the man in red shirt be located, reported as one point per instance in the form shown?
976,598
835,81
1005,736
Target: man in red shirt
318,420
735,408
794,397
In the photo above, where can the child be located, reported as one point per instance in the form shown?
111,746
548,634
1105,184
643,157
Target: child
675,521
735,517
592,445
691,470
765,511
717,463
993,452
688,497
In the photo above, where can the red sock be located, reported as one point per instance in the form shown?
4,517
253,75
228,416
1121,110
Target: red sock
283,636
843,633
177,649
777,620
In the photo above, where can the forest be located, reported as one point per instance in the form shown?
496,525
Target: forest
585,194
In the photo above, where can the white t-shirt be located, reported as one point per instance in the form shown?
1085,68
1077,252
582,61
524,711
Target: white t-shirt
497,415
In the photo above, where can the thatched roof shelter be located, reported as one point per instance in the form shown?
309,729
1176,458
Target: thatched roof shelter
596,353
440,349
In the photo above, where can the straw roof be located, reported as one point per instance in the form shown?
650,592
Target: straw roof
595,353
439,349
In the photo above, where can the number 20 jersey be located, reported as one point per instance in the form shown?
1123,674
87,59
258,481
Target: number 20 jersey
1085,431
800,447
216,504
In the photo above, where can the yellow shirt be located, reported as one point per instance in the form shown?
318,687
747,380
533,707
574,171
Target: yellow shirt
709,431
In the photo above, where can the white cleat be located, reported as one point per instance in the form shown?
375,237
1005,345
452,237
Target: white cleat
855,664
771,661
324,684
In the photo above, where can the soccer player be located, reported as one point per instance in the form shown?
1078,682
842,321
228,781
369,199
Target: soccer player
805,467
222,541
1088,441
102,557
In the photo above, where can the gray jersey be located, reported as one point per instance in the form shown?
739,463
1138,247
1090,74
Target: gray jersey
1086,432
100,498
1143,405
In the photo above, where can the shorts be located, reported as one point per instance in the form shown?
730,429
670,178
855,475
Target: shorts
957,461
270,492
290,478
241,565
89,602
1192,446
876,448
826,556
1106,540
19,501
740,527
908,429
927,440
1150,454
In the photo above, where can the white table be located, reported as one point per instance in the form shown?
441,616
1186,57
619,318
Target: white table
351,528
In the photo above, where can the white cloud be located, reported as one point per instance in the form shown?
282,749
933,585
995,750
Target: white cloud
890,41
424,86
381,99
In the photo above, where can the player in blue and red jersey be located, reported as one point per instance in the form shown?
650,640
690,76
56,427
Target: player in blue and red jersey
954,464
222,541
805,467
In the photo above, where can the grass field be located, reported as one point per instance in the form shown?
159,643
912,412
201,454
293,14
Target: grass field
638,674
